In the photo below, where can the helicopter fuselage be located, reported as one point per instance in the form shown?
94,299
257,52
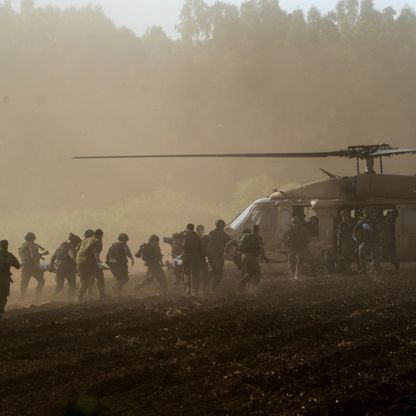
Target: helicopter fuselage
324,200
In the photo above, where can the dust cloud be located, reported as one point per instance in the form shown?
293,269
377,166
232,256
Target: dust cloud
254,78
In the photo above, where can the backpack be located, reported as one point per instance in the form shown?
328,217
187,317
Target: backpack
146,252
62,253
116,254
248,243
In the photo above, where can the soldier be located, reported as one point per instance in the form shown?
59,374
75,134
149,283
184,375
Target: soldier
367,233
296,239
262,252
30,256
117,260
200,230
152,256
176,243
249,248
388,247
218,240
63,263
7,261
193,255
89,264
345,241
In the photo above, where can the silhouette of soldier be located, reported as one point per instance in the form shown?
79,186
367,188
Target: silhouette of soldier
117,259
63,263
30,257
152,256
7,261
218,240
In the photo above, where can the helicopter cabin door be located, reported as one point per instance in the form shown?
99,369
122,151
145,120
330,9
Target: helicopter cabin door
406,233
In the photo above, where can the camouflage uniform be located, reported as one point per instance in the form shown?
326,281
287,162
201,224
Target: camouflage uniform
249,248
218,240
296,239
63,262
367,233
193,255
87,261
117,260
30,260
7,261
345,241
176,243
205,276
152,256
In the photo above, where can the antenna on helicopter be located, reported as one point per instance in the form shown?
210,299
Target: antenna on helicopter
368,153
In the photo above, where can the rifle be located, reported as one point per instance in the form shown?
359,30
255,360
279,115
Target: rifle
45,252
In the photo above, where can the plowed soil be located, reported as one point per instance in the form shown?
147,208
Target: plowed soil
339,345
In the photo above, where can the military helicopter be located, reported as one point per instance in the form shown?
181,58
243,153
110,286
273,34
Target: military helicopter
319,203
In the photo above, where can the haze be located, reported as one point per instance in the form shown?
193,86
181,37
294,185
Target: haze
139,15
249,79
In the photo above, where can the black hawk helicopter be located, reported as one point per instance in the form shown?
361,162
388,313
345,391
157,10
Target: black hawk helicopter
324,200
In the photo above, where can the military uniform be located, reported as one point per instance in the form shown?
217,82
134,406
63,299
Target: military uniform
367,233
152,256
296,239
7,261
193,255
30,257
117,260
345,241
87,262
249,248
63,263
176,243
218,240
204,273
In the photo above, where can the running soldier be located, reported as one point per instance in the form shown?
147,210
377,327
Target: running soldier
63,263
89,264
193,255
7,261
176,243
152,256
30,257
218,240
296,239
345,242
205,277
117,260
249,249
367,234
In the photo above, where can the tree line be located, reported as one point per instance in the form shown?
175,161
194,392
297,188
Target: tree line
248,78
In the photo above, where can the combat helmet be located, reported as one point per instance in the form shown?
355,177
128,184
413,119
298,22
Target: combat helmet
220,224
154,239
123,237
30,236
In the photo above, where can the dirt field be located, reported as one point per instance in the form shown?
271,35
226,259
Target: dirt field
332,346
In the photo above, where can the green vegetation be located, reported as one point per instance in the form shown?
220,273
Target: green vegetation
163,211
238,79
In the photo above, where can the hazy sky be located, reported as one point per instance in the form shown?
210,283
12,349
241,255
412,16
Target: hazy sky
140,14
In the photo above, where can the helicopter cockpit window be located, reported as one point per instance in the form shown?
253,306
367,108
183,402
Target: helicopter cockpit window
254,215
408,221
241,219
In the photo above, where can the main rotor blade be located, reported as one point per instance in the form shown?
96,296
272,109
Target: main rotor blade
393,152
222,155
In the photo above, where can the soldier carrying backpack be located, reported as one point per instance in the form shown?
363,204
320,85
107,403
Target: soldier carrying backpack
117,260
152,256
63,263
